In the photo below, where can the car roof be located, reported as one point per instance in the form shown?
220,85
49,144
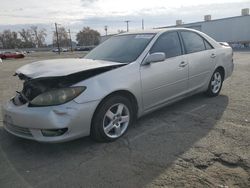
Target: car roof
156,31
160,31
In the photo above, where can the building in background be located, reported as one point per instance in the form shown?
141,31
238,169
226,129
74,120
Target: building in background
234,30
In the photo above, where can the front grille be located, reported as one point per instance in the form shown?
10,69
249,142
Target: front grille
18,130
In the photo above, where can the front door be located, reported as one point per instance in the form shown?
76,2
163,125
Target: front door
163,81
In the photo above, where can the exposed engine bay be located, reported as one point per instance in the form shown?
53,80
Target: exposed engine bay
34,87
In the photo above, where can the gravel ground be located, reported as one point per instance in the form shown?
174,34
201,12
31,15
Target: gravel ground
197,142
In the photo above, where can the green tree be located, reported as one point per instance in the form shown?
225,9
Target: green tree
87,37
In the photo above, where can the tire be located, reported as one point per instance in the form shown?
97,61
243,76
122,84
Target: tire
215,84
112,118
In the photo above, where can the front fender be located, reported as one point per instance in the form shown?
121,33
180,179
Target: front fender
124,78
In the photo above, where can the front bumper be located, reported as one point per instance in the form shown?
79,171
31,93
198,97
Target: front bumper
27,122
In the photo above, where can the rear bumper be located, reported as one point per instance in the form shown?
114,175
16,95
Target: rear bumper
27,122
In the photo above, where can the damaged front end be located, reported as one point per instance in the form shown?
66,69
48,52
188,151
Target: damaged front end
33,88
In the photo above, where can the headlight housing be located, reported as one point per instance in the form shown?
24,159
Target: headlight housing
57,96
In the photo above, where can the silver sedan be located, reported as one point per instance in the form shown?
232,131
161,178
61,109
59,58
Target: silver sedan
127,76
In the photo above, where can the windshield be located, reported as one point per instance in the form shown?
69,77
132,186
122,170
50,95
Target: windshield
121,48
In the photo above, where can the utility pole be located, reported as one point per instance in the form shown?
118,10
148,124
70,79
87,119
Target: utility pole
142,24
127,21
106,29
57,40
71,48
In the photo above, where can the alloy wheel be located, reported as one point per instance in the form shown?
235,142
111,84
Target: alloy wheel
116,120
216,82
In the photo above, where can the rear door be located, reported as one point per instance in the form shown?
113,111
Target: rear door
162,81
201,59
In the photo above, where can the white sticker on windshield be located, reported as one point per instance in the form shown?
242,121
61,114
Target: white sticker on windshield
147,36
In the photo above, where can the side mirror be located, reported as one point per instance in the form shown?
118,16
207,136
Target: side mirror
154,57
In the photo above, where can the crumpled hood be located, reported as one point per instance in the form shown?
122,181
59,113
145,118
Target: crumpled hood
61,67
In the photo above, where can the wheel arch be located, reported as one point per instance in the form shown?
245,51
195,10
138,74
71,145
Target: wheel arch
125,93
222,70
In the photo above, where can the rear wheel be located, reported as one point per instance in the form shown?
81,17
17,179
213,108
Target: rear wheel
215,84
112,119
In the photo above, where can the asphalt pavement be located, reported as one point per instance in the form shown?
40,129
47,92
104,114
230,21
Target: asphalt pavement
196,142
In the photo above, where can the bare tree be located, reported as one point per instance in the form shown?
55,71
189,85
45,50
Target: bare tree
39,36
63,37
1,41
88,37
9,39
27,38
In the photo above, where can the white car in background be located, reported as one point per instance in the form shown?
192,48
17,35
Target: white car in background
125,77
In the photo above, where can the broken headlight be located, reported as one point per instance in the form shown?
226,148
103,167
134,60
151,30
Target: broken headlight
57,96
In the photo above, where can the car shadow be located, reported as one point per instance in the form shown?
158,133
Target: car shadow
151,145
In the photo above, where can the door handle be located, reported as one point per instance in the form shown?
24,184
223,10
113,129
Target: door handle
213,56
183,64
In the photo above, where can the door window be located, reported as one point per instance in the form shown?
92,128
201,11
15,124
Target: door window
169,44
193,42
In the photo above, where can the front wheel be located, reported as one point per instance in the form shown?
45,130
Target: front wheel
215,84
112,119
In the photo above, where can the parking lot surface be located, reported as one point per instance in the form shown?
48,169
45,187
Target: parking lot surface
196,142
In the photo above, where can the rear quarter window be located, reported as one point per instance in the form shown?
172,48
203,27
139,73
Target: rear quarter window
208,45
